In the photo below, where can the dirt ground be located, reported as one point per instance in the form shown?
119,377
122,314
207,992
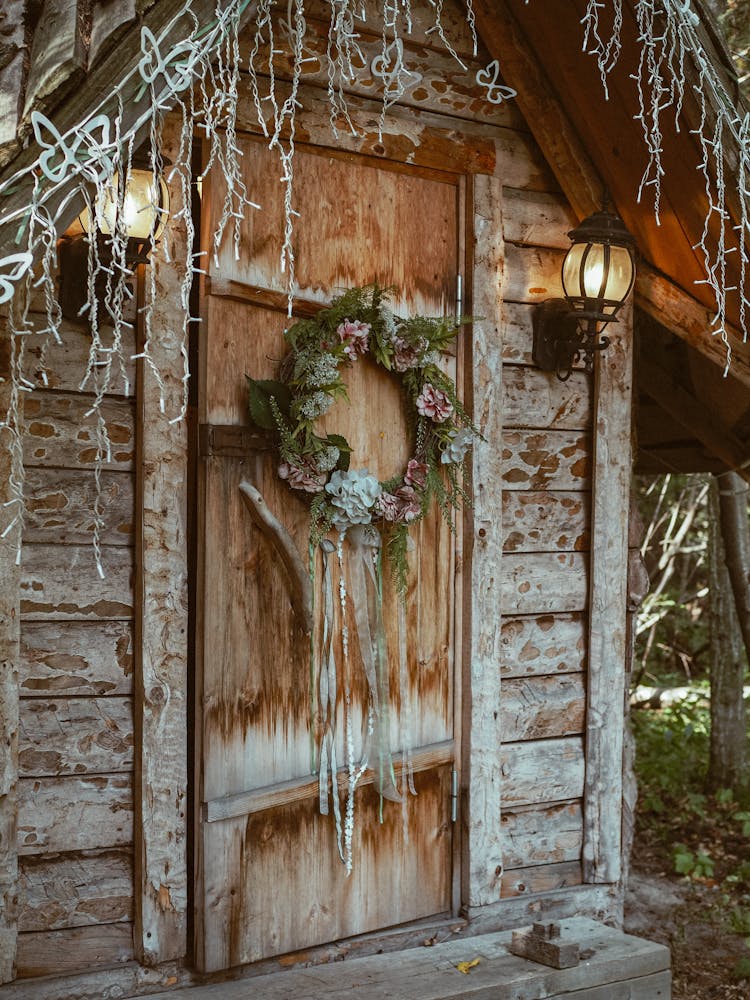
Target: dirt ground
694,919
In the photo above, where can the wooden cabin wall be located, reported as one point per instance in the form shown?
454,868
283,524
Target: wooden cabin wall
75,675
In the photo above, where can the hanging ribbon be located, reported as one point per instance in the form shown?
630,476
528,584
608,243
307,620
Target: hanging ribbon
327,688
364,551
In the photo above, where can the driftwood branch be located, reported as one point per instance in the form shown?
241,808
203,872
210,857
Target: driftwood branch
272,528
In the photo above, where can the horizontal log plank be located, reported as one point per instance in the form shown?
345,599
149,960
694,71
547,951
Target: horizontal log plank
417,137
543,771
537,218
435,80
545,522
75,658
78,948
75,736
536,582
546,460
75,890
541,836
60,505
536,399
74,813
61,582
66,363
535,708
543,644
532,274
540,878
58,432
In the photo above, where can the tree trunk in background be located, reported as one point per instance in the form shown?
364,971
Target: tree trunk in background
729,565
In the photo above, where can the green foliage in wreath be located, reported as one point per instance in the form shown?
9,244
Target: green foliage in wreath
359,323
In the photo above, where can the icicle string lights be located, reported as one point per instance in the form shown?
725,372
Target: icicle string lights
671,49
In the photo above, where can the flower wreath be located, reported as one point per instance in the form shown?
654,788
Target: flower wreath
359,323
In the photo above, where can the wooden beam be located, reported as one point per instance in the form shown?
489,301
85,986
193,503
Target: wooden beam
689,320
9,657
481,774
545,117
161,616
687,410
608,575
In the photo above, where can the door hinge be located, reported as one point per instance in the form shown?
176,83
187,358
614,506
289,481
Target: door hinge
459,296
454,796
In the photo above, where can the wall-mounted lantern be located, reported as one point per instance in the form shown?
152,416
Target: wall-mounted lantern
145,207
597,275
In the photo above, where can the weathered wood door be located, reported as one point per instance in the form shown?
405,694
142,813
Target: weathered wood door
270,880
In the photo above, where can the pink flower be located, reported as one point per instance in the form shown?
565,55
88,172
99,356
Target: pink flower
302,477
406,355
355,336
434,403
416,474
388,506
410,507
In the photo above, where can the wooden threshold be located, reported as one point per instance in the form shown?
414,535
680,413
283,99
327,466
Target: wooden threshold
298,789
620,967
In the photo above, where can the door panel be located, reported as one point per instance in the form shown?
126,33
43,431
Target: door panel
269,875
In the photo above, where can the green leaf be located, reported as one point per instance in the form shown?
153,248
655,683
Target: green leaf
684,860
340,442
260,392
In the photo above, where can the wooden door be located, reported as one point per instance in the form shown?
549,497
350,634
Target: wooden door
270,879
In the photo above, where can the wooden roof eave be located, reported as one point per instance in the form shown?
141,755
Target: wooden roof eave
584,186
114,65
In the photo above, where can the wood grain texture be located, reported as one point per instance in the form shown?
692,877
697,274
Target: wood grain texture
75,658
543,771
60,505
48,953
481,776
535,399
543,582
161,648
608,579
65,363
431,972
545,521
75,736
537,835
61,582
546,460
541,707
543,644
532,274
75,890
108,18
58,432
436,81
419,137
9,644
58,52
539,219
74,814
11,75
540,879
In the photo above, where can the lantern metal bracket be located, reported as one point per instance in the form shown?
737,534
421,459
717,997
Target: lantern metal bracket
564,336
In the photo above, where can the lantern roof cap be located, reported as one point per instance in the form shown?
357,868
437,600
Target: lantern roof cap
603,227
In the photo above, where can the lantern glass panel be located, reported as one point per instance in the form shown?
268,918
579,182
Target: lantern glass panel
595,280
144,206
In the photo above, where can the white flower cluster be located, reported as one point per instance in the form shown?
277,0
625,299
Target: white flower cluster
323,371
315,405
353,494
326,459
454,451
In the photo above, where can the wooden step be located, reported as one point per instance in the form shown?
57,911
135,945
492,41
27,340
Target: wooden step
621,967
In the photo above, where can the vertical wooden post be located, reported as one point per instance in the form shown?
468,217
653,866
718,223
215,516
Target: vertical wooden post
608,578
9,651
481,772
161,618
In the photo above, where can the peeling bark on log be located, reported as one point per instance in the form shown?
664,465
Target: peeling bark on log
76,658
547,644
162,630
481,775
9,644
